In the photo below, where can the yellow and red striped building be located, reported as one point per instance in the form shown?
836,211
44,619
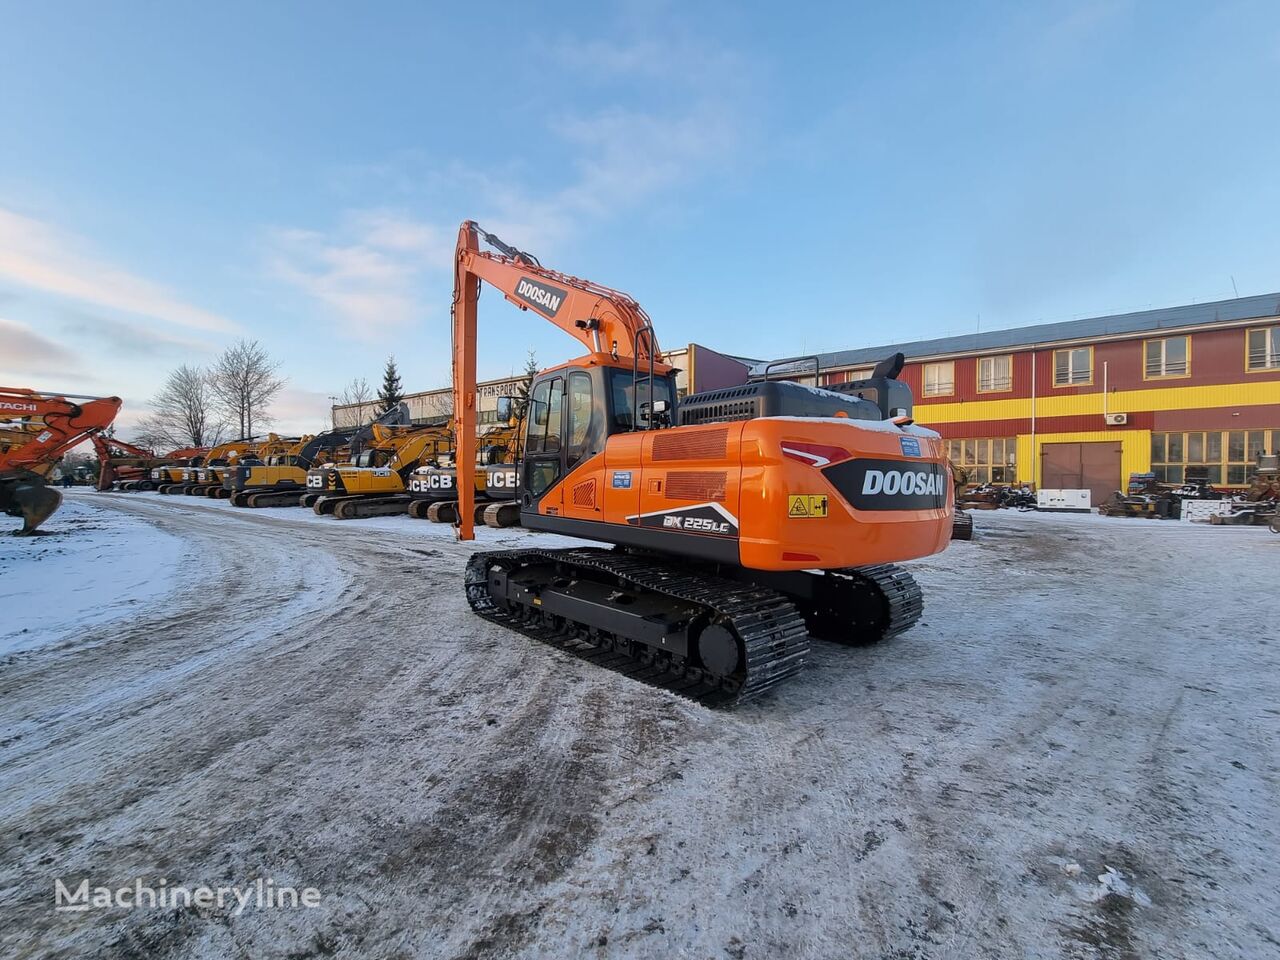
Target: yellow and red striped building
1085,403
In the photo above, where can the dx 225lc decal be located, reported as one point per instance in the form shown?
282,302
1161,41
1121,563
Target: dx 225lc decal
890,484
706,519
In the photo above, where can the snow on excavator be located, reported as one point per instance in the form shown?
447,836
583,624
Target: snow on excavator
743,520
36,429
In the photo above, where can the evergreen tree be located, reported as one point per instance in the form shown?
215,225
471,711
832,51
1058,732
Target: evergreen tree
391,392
521,402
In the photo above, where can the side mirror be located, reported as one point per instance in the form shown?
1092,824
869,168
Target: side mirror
506,411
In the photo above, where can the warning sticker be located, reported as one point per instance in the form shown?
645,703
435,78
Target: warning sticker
807,505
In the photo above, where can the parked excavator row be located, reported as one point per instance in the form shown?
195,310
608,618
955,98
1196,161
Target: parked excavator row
374,482
280,479
36,429
433,488
125,466
741,522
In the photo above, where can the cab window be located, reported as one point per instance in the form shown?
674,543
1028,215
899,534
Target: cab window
546,408
579,414
624,392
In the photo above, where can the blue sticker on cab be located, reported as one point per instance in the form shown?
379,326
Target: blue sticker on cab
910,447
622,479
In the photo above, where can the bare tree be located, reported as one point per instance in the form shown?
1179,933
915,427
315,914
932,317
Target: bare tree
182,413
244,381
357,391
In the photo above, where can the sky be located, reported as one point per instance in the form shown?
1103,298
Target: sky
768,181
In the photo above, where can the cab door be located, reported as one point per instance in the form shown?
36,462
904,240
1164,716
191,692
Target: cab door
543,465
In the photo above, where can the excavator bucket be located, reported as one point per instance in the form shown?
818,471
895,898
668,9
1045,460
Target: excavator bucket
30,498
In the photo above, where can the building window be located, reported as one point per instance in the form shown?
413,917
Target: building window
1263,351
1166,357
995,374
939,379
985,460
1220,456
1073,367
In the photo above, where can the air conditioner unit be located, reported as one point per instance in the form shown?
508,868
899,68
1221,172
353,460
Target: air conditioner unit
1116,419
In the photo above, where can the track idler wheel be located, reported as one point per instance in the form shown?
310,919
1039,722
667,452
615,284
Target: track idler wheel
418,509
30,498
720,651
241,498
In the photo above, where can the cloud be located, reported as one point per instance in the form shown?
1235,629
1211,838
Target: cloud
368,275
373,269
132,340
35,254
26,352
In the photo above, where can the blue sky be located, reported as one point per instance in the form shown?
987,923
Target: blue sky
767,180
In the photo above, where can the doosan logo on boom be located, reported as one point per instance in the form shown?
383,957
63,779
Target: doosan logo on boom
545,298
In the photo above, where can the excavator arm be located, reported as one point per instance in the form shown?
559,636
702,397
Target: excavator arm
607,322
53,425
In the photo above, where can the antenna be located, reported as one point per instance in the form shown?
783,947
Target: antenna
1233,286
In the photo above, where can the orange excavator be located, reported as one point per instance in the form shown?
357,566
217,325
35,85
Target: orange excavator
126,466
36,429
743,520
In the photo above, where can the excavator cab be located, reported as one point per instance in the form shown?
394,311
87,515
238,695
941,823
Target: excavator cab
574,410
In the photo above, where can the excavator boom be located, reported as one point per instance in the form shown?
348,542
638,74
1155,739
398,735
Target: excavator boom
44,426
609,323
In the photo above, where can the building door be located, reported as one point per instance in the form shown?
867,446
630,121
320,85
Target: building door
1082,466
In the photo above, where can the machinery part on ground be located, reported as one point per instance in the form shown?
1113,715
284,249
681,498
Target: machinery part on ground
27,495
36,429
962,525
793,499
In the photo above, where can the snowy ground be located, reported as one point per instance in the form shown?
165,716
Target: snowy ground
1074,755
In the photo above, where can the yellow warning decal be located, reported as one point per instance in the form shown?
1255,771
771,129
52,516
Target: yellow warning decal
807,505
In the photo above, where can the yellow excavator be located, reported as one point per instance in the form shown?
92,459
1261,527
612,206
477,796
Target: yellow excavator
192,477
434,487
373,482
281,479
211,478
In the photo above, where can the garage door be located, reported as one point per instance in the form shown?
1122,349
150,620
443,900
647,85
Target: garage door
1082,466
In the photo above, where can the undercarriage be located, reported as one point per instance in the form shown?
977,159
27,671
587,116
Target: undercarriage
719,635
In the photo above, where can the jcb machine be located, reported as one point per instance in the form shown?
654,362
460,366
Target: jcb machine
434,487
373,484
36,429
744,520
211,477
197,477
281,479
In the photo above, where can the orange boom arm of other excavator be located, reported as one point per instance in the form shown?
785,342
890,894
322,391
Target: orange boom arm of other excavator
609,323
52,425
